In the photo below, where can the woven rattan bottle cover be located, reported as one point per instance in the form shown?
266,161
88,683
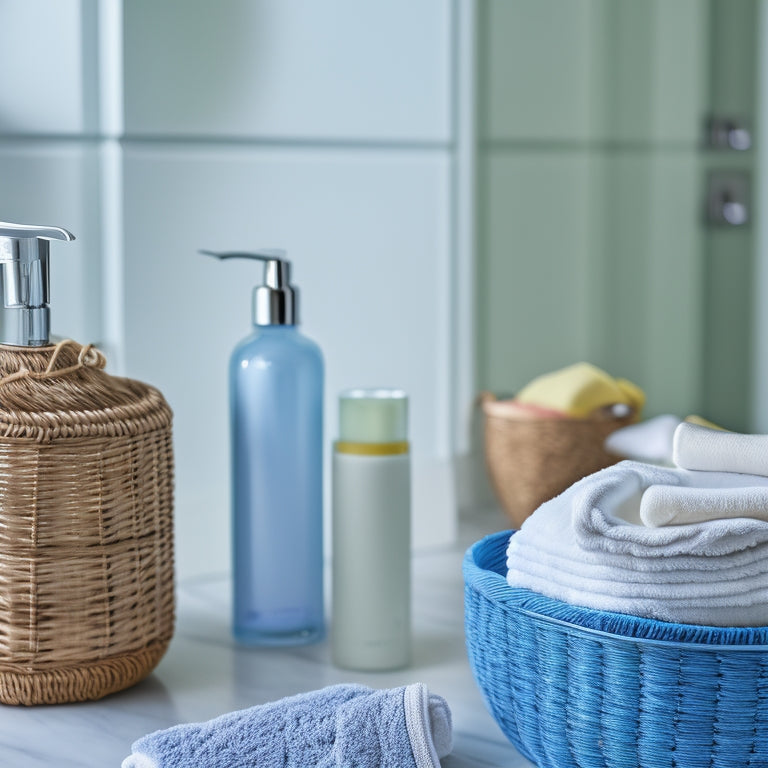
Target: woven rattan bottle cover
86,519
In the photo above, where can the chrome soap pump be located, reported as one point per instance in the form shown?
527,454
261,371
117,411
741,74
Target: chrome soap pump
24,266
87,476
276,413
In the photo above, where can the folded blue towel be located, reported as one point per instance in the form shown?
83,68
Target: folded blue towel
342,726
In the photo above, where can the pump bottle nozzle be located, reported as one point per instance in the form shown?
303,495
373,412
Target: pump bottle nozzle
276,302
24,252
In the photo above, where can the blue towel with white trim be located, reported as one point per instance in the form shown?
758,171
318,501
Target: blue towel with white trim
342,726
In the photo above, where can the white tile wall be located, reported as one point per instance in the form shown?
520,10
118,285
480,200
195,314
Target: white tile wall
154,129
340,69
368,234
47,66
57,183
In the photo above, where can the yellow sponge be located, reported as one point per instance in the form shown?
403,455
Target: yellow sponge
580,389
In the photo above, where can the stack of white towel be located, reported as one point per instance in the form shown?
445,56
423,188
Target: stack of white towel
685,544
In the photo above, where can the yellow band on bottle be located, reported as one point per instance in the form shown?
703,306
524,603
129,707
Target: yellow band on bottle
372,449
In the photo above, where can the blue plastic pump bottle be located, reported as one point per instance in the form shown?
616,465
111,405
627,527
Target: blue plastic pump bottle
276,408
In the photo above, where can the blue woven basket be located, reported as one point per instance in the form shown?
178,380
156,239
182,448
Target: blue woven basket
567,693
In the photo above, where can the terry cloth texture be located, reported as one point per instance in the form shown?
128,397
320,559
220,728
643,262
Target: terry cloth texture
680,505
697,447
588,547
342,726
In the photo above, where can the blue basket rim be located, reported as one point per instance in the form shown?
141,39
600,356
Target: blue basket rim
492,584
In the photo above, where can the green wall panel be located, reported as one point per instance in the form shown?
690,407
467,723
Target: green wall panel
592,70
728,252
593,256
536,68
732,67
592,238
649,246
678,51
729,263
728,329
673,306
621,248
534,286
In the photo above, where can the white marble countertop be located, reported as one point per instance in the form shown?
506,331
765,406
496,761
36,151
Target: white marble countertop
204,674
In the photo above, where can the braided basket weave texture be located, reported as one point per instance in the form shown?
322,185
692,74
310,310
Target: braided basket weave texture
86,526
531,461
577,688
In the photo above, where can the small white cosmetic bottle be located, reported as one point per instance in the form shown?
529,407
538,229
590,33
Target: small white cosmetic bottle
371,521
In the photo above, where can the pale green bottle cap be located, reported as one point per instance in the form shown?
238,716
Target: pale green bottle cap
373,416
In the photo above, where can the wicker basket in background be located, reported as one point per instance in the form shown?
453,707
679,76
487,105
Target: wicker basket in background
86,528
532,460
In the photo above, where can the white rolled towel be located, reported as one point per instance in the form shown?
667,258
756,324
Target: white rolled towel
649,440
589,547
675,505
714,450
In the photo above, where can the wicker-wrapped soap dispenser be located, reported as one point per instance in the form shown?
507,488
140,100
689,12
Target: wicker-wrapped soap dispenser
86,503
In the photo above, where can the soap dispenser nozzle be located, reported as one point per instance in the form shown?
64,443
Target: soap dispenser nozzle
276,302
24,252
